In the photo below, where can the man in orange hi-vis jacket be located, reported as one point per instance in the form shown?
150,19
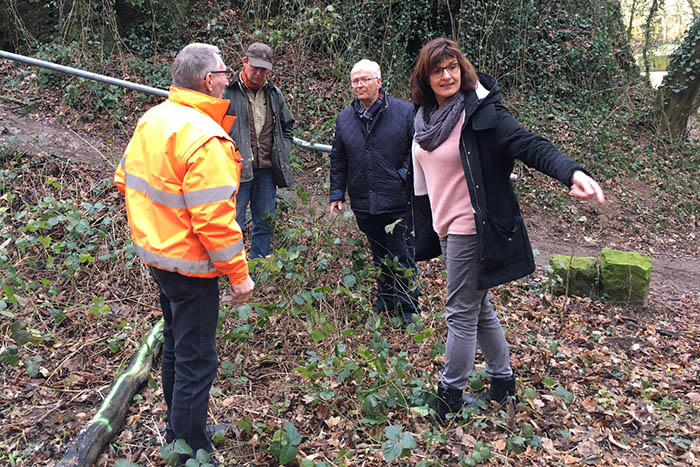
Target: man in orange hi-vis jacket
179,175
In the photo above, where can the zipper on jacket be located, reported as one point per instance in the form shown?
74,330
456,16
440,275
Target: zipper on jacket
272,99
476,196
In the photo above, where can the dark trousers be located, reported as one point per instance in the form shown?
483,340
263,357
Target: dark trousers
394,254
190,309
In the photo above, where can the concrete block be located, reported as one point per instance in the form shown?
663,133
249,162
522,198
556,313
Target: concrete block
625,276
582,275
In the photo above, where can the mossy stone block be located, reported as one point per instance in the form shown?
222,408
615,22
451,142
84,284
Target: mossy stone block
582,275
625,276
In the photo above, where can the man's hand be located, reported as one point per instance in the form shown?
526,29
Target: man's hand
584,187
241,293
336,207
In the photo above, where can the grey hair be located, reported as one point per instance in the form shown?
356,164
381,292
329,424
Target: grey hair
192,64
367,65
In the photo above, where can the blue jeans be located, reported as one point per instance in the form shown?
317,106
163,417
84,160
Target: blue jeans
190,308
260,192
396,288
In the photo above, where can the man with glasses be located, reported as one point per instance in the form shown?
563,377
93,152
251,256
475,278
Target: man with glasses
370,157
179,176
263,133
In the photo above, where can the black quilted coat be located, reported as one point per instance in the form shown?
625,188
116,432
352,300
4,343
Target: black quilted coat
371,161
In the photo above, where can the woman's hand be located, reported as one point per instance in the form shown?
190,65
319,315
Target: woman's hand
584,187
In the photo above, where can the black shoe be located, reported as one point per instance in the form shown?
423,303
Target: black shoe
380,306
448,400
500,391
169,435
213,429
408,319
407,313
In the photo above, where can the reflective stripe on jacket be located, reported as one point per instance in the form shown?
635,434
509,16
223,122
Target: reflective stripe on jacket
179,175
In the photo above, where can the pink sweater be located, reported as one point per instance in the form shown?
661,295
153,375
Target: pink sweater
440,175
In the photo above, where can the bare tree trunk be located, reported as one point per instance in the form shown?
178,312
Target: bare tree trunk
693,7
680,93
648,26
108,420
633,10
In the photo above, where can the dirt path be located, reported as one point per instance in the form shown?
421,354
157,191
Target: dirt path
674,272
36,133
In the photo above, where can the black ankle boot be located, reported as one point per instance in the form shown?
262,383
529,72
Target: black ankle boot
448,400
499,391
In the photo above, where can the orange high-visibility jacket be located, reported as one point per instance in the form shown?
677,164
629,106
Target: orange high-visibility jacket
180,175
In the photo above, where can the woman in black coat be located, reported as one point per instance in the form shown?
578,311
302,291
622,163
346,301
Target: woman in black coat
464,149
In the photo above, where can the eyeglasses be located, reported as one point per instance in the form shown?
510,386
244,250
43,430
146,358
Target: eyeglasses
452,69
228,72
363,81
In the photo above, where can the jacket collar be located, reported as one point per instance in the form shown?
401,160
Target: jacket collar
472,101
368,114
369,124
208,105
385,104
238,81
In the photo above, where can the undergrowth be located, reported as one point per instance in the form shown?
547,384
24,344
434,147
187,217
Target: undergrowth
307,374
613,139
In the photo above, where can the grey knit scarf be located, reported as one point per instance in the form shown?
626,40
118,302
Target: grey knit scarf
434,124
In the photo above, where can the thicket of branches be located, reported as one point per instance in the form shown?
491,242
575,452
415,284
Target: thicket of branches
560,47
575,50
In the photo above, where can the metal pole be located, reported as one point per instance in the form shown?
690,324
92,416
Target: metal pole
84,74
128,85
312,146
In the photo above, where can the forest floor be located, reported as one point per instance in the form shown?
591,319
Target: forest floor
632,374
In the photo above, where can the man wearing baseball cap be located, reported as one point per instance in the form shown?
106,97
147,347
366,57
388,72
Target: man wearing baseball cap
263,135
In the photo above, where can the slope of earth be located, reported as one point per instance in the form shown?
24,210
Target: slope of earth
41,134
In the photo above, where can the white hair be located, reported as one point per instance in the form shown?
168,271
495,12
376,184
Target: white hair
192,64
367,65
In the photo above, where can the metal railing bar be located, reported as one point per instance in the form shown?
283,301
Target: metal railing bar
126,84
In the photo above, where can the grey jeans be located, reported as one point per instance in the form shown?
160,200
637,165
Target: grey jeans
470,317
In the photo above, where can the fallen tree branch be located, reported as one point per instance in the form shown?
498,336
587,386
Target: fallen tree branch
13,100
109,419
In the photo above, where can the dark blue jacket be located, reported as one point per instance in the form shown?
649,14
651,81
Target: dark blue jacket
491,141
371,161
